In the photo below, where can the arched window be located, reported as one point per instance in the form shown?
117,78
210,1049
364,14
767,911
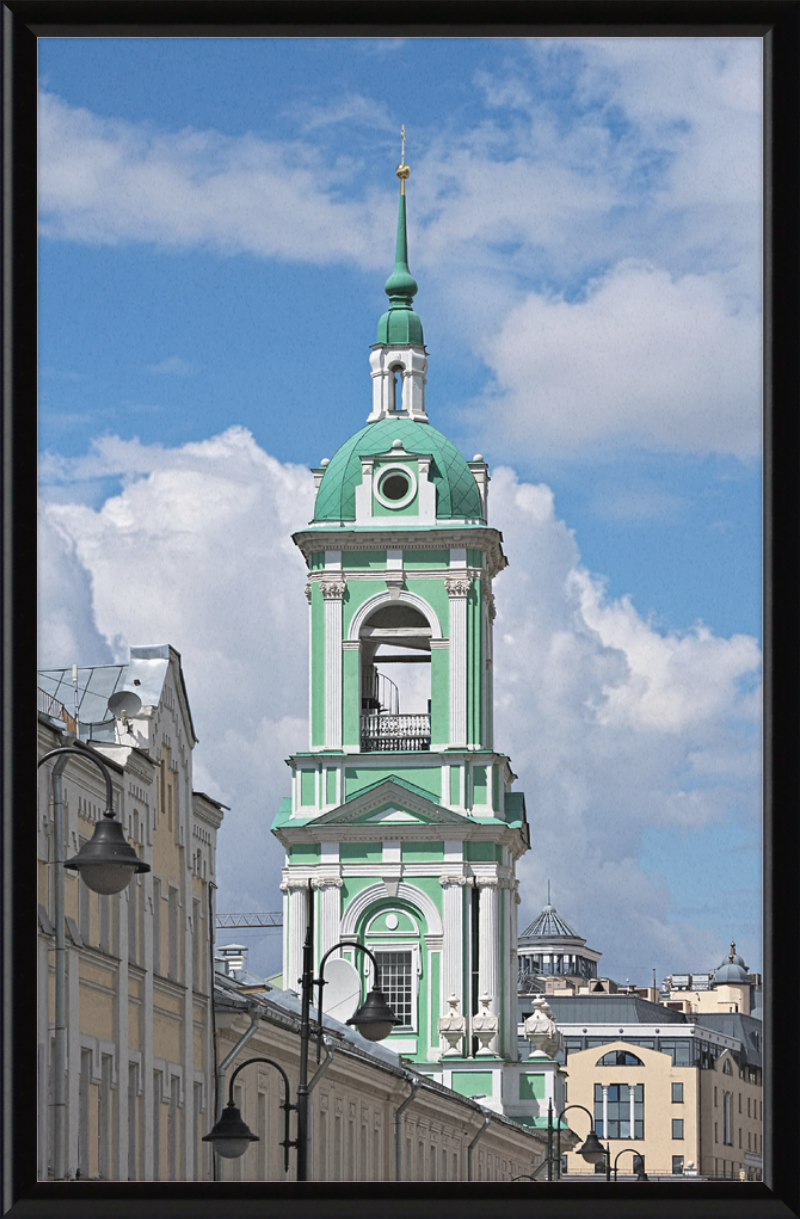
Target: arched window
395,712
396,402
619,1058
726,1067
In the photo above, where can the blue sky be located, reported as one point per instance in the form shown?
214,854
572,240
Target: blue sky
217,223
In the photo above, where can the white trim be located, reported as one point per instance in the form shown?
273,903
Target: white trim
377,892
378,599
405,470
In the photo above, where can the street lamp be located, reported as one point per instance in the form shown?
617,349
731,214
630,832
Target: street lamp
107,863
641,1174
374,1019
592,1150
231,1135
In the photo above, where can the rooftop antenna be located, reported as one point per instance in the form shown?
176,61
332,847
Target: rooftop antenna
548,892
75,688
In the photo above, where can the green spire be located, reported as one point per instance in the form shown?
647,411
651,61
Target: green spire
401,325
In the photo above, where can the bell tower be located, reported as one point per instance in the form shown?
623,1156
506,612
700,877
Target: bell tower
402,814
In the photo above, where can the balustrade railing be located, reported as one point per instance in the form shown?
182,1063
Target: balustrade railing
380,732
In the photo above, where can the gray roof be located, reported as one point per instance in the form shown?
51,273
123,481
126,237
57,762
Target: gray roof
747,1029
549,925
607,1009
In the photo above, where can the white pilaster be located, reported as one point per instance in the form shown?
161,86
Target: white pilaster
605,1112
332,592
489,944
632,1101
458,590
329,906
453,939
297,909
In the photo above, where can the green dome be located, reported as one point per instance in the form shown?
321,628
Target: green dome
402,327
456,490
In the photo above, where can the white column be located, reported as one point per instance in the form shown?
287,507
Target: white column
329,907
453,942
332,592
489,945
457,590
632,1100
605,1112
488,679
297,910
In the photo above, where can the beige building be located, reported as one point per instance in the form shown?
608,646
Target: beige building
139,1028
373,1117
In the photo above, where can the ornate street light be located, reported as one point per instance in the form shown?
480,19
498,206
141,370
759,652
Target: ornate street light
592,1150
230,1136
107,864
641,1175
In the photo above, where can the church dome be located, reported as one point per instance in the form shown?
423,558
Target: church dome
457,495
732,971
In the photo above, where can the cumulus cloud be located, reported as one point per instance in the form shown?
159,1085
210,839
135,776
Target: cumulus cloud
662,362
611,725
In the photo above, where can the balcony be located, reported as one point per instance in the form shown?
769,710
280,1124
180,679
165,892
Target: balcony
382,732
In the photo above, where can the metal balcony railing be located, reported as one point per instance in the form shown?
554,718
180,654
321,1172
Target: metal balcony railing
383,732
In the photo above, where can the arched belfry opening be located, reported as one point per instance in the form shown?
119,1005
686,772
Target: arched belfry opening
395,649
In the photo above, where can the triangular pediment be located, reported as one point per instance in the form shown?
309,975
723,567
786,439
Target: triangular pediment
389,803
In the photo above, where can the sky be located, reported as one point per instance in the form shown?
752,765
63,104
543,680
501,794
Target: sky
217,221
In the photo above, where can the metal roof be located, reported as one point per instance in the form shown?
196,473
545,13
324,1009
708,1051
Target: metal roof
549,925
610,1009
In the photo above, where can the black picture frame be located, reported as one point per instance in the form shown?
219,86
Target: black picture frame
777,22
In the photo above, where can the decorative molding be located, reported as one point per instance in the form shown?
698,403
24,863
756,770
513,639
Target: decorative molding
457,586
326,882
307,591
451,878
377,892
372,603
333,589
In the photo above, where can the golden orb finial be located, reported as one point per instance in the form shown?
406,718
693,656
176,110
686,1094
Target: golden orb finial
402,170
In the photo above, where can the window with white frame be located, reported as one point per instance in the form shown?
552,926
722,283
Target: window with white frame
396,981
392,935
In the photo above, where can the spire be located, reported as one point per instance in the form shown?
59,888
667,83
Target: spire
401,326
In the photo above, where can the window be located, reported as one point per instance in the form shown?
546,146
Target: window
174,904
619,1058
158,1078
748,1107
677,1127
133,897
133,1088
619,1112
396,984
677,1094
104,1119
84,1084
104,902
726,1067
196,940
727,1125
740,1102
677,1166
156,925
715,1096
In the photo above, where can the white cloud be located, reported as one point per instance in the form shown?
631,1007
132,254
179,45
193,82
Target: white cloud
612,726
173,365
667,363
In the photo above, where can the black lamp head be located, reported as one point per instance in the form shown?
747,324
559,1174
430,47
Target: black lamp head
107,861
592,1150
231,1135
374,1019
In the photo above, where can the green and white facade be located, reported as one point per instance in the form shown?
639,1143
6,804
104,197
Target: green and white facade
402,814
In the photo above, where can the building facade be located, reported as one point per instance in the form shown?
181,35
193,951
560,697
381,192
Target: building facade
139,969
402,824
372,1116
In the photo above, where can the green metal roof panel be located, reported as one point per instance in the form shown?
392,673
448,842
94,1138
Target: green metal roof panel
456,490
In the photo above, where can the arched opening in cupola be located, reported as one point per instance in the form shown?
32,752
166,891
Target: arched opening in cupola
395,647
396,387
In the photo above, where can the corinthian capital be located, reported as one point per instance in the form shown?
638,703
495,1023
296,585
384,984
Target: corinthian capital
457,586
451,878
333,590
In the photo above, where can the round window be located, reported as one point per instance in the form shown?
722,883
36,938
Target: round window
396,486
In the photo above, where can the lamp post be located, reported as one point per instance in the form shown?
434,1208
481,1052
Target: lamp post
374,1020
641,1174
592,1150
107,863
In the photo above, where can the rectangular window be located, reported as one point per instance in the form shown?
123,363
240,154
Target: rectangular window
740,1136
104,902
677,1094
716,1132
133,1088
172,1128
196,941
84,1087
173,948
715,1096
748,1107
104,1120
740,1102
727,1124
133,897
198,1132
677,1166
157,1090
677,1127
619,1112
396,984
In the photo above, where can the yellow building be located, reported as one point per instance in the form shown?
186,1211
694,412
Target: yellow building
373,1115
139,1040
702,1116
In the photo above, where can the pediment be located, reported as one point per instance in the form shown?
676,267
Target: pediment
390,803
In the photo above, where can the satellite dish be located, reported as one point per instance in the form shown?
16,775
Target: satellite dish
341,993
124,702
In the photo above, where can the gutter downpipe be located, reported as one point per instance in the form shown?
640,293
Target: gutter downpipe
320,1071
253,1007
60,1047
479,1135
416,1084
